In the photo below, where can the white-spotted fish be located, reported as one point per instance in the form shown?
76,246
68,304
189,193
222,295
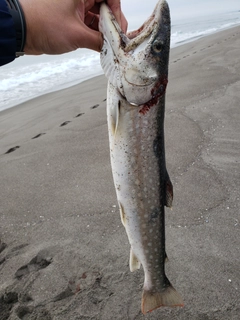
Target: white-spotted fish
136,66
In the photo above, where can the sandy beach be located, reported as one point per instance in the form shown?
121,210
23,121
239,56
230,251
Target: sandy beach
63,250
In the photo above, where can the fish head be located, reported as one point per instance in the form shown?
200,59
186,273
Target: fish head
137,63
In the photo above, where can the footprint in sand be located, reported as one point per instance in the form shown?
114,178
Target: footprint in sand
79,115
95,106
2,246
87,280
24,312
41,261
64,123
10,253
7,301
12,149
38,135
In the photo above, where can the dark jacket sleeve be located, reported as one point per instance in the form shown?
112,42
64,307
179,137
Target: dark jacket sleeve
7,35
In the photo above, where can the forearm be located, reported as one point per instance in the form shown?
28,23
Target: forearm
8,43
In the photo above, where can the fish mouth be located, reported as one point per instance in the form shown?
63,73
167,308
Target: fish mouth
133,39
128,60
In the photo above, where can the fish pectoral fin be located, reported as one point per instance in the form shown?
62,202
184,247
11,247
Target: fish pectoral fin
168,297
169,193
134,263
113,110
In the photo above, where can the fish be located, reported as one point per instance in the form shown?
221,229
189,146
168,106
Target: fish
136,66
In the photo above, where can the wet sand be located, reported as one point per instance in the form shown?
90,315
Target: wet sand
63,251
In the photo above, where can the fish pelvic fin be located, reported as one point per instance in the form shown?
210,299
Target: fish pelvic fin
152,300
133,262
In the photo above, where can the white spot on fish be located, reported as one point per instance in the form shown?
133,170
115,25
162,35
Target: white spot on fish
137,182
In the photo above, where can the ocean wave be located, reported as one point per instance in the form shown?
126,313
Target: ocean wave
22,83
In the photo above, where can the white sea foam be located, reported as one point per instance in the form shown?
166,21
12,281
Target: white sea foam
30,77
21,83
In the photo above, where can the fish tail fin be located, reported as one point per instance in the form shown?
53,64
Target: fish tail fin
168,297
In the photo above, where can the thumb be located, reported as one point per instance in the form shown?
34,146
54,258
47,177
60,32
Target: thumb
92,39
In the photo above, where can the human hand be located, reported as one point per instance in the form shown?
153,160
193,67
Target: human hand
60,26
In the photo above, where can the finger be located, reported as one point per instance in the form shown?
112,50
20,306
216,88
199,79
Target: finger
92,40
124,23
92,20
115,6
94,9
92,5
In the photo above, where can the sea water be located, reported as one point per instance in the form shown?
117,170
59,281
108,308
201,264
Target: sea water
28,77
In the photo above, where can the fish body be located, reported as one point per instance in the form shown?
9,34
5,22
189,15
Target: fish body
136,66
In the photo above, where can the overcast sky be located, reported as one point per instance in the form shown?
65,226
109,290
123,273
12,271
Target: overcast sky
137,11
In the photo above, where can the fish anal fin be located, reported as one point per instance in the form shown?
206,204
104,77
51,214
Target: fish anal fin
169,193
168,297
134,263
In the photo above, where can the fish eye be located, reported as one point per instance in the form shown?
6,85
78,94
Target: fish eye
157,46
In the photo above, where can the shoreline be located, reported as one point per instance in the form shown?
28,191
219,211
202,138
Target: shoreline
76,83
63,250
